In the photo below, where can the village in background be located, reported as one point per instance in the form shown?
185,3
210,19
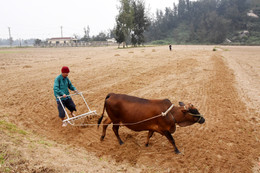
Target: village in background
100,40
232,22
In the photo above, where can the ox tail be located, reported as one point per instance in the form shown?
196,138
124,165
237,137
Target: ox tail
102,115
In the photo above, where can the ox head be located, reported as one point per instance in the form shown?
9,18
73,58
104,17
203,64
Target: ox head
189,115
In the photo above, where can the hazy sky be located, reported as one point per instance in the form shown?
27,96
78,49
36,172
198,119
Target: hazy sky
43,18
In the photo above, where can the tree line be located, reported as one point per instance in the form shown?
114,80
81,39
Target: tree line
206,22
193,22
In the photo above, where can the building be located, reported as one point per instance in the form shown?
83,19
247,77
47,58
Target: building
111,40
61,41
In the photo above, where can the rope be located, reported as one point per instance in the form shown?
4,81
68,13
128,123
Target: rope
166,112
124,124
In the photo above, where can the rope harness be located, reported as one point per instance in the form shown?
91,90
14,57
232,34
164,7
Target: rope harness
195,115
160,115
163,114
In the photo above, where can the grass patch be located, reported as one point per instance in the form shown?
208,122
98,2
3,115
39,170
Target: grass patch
11,127
2,158
45,143
217,47
8,51
160,42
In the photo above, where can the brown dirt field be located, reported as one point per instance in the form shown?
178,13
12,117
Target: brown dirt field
223,84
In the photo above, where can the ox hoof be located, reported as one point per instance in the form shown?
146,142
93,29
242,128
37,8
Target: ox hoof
102,138
146,145
121,143
177,152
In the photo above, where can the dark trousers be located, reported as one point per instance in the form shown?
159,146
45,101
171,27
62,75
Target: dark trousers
69,104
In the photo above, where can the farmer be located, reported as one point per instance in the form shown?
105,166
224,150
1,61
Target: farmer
170,47
61,86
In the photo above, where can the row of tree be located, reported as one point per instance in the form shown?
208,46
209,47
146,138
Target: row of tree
203,21
102,36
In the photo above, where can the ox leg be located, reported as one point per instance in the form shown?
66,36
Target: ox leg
115,129
106,122
170,138
150,134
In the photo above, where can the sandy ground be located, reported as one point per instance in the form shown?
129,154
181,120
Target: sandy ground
223,84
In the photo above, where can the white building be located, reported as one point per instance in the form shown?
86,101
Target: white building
62,41
111,40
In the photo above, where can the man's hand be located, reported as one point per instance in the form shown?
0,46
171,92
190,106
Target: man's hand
64,96
76,92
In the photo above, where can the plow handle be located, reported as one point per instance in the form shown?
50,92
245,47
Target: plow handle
70,95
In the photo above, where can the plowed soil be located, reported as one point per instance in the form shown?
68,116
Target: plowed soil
224,85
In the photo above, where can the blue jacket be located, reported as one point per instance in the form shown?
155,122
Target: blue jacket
61,86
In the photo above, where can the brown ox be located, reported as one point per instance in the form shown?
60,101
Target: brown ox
153,115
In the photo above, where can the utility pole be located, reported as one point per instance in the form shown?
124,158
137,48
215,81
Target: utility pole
61,32
10,38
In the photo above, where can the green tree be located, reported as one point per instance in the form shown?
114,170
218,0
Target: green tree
124,20
119,33
86,34
181,9
217,29
140,22
102,36
37,42
204,21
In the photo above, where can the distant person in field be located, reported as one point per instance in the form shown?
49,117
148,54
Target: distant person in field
170,47
61,86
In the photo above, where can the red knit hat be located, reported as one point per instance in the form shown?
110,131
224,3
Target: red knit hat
65,69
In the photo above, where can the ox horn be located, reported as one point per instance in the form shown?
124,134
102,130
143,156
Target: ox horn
184,106
181,104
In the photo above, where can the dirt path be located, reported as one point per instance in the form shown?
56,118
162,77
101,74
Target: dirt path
213,81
